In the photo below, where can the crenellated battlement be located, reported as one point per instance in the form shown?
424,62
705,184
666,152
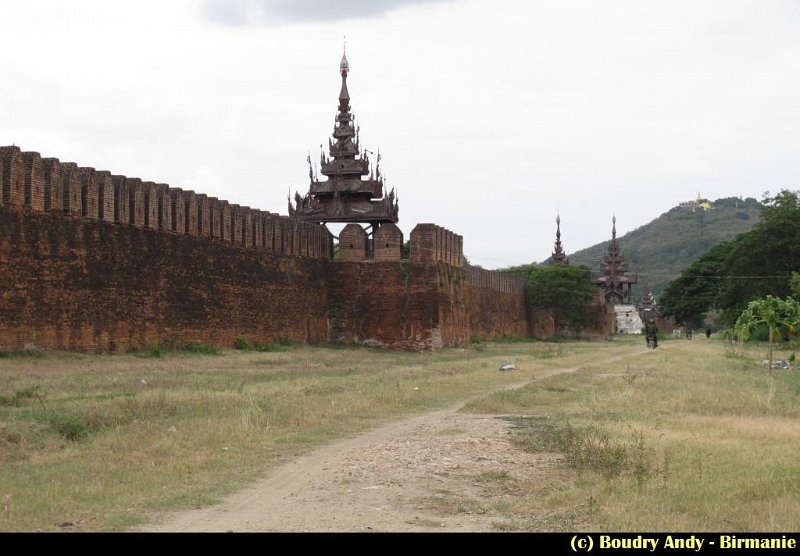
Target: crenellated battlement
36,184
430,243
497,281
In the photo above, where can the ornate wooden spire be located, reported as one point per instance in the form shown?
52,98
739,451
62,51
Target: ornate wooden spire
344,95
345,196
558,254
614,279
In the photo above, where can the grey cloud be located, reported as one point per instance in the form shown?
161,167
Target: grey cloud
243,12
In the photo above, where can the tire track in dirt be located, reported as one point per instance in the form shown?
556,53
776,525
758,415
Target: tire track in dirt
417,474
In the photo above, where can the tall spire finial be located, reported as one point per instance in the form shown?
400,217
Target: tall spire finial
344,66
558,254
614,227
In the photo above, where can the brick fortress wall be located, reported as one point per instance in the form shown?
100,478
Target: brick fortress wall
95,261
429,301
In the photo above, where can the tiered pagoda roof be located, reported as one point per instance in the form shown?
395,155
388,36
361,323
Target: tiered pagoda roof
345,196
614,280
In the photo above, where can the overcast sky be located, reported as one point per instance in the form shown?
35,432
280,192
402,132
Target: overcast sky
490,115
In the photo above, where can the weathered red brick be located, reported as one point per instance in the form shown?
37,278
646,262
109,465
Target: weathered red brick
13,177
150,191
53,185
71,183
34,181
105,190
387,243
122,213
90,205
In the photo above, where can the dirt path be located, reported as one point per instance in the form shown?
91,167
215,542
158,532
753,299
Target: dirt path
420,474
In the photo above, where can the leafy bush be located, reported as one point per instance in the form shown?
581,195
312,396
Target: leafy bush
201,347
156,350
68,426
242,343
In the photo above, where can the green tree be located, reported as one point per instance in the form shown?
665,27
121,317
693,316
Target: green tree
688,298
773,312
762,260
565,290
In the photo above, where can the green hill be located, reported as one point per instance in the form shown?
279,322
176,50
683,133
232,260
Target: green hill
660,250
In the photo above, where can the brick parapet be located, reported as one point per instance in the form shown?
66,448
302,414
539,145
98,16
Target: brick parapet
177,210
257,222
53,188
215,209
122,213
352,243
429,243
387,243
226,232
151,215
34,181
29,181
105,195
90,206
494,280
164,201
203,215
191,226
237,225
135,202
71,183
13,177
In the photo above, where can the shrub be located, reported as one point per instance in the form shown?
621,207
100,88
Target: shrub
242,343
68,426
156,350
201,347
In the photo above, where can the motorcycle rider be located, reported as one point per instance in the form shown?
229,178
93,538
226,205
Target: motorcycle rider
651,332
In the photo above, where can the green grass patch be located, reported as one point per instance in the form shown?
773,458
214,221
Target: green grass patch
202,348
22,353
19,396
269,347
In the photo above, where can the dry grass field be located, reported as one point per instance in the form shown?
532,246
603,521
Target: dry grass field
694,437
691,436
